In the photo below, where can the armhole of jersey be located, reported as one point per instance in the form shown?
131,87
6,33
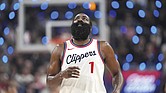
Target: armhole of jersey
99,51
64,51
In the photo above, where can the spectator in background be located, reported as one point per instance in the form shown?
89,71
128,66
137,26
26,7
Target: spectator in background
164,65
7,85
4,78
150,54
13,86
164,88
24,78
35,86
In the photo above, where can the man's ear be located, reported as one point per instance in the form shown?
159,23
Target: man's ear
91,23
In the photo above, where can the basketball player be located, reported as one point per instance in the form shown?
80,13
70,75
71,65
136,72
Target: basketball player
77,66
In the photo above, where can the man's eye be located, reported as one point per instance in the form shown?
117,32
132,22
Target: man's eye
85,19
75,18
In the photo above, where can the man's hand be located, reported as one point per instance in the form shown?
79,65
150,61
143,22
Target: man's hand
116,91
71,72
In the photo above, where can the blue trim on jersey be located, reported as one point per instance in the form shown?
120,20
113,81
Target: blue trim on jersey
64,51
98,46
80,46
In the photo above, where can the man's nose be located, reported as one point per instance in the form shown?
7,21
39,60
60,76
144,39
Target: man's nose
80,19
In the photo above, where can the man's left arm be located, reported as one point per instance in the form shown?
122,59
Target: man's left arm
113,66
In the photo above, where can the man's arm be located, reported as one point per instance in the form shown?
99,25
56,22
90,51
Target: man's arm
54,73
54,77
113,66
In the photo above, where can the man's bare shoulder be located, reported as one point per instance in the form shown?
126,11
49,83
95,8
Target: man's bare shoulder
58,49
105,48
104,44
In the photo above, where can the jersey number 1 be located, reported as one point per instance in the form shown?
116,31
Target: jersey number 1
92,66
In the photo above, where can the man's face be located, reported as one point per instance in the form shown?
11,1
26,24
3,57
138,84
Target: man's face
81,17
81,27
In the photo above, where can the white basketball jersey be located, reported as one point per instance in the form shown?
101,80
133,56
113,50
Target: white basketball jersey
88,59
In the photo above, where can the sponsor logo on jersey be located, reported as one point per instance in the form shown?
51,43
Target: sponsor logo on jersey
78,57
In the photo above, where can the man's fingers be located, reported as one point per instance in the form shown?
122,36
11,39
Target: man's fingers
77,74
74,67
74,76
72,72
75,71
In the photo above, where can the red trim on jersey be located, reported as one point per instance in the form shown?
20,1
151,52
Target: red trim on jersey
64,52
99,52
81,46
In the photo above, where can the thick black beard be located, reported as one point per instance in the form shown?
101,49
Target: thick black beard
80,32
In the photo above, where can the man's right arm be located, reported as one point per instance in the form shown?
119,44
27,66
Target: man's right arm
54,73
54,77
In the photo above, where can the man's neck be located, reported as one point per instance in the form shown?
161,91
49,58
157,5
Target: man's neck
81,42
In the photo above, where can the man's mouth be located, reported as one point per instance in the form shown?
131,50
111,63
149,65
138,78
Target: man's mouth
79,25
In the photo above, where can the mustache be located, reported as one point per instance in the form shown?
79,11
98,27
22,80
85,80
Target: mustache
80,24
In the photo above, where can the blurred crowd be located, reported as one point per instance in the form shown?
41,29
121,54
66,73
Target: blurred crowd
26,72
124,25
